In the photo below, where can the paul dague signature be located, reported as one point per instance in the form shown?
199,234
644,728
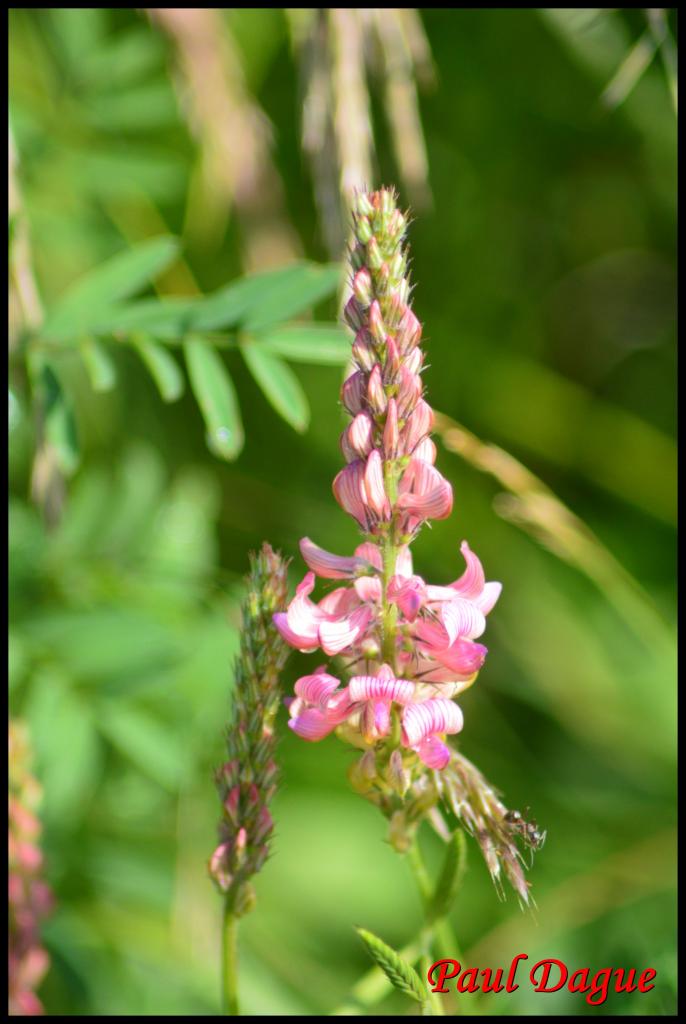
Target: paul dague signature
545,976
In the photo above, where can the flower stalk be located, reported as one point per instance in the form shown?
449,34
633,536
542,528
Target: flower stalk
247,780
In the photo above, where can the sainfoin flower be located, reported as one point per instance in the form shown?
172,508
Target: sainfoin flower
405,647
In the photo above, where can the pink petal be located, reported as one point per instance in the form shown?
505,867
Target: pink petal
312,725
462,618
317,688
375,720
359,436
334,637
390,432
425,492
338,602
368,588
297,640
434,753
462,659
472,580
403,565
370,553
408,594
418,425
437,715
348,489
353,392
329,566
488,597
376,396
375,491
376,688
426,451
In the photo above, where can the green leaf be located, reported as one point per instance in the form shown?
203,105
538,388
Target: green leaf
279,385
321,344
99,364
148,743
312,284
60,425
162,367
450,878
401,974
123,275
216,396
167,318
271,297
68,750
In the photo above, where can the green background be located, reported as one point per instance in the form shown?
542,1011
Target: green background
545,277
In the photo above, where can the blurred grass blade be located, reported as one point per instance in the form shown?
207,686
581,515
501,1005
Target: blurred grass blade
162,367
318,344
531,505
279,385
398,971
60,425
99,365
450,878
271,297
117,278
216,396
630,71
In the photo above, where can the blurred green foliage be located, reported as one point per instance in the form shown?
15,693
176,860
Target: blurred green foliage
545,276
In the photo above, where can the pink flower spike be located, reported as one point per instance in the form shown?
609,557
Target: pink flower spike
329,566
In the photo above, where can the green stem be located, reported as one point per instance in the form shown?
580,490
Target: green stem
230,960
441,936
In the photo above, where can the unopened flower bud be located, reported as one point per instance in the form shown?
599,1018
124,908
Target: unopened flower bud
376,396
374,256
396,775
362,287
377,328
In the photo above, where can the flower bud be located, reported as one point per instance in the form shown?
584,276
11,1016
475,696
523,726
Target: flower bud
362,287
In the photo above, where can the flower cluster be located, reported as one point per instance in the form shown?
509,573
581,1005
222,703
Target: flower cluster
247,780
30,898
410,647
